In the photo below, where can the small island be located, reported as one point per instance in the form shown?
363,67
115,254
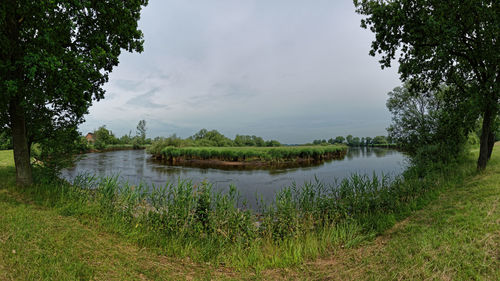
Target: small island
249,156
213,149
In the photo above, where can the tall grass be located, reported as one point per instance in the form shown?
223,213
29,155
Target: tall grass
304,221
269,154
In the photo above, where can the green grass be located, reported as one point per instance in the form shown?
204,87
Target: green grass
37,243
7,170
269,154
456,237
60,234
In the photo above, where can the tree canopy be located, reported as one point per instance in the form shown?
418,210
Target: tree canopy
141,131
443,42
55,56
432,118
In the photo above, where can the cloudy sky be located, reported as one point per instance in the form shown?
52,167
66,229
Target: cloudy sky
281,69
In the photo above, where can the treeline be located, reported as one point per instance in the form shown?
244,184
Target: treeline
102,138
213,138
380,141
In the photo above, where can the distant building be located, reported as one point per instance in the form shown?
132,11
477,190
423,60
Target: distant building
90,137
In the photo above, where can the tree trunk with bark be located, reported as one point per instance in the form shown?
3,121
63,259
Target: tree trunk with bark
20,143
487,137
491,144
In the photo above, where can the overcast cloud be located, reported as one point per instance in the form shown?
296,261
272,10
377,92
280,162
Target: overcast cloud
287,70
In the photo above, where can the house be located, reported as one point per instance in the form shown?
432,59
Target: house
90,138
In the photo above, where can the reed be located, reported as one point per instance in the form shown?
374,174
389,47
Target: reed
186,219
248,154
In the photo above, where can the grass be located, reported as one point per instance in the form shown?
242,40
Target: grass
37,243
456,236
267,154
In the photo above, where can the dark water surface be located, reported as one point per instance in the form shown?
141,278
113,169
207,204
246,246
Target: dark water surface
135,166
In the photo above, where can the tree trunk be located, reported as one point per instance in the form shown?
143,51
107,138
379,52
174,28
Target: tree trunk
484,149
491,144
20,143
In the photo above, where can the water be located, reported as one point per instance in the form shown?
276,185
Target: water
135,166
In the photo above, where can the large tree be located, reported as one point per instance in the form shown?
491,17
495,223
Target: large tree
432,121
439,42
55,56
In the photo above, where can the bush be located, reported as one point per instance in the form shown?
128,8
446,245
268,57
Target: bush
5,141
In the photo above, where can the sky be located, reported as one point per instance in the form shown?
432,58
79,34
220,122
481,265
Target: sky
290,70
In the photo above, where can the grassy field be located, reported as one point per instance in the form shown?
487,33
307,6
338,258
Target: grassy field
268,154
455,237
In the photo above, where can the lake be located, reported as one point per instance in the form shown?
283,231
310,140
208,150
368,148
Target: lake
135,166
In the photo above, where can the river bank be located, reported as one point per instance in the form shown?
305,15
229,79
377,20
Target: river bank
59,241
254,183
114,147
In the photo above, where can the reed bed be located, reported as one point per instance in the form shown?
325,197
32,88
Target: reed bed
245,154
185,219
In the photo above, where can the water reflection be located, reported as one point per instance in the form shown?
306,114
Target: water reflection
136,166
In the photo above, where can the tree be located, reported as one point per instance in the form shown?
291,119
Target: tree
434,124
200,135
497,132
211,138
126,139
245,140
380,140
355,141
259,141
414,117
452,42
56,152
104,137
141,131
368,141
339,139
349,139
272,143
55,57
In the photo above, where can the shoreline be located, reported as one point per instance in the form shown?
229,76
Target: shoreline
244,165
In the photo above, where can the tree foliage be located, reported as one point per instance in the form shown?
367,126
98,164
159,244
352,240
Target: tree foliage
5,140
211,138
246,140
433,125
55,56
141,131
339,139
442,42
104,137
